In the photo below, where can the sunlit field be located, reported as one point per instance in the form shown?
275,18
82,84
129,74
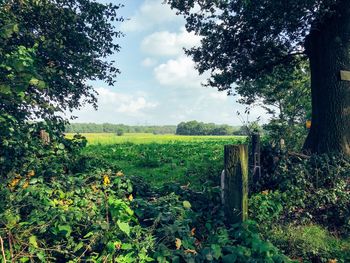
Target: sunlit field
161,159
142,138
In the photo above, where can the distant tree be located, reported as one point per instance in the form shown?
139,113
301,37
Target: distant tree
246,40
200,128
120,132
113,128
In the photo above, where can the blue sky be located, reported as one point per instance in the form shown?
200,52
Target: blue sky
158,84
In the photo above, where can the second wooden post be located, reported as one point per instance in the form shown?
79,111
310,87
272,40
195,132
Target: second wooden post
236,183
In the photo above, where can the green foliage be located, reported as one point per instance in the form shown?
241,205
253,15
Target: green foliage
303,207
246,40
261,50
293,135
285,94
266,207
83,217
310,242
99,215
173,161
200,128
44,71
114,128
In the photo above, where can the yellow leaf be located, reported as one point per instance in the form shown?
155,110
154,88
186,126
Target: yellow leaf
14,182
26,184
178,243
130,197
106,180
31,173
94,188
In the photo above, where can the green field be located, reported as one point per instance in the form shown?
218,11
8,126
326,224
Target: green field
159,159
141,138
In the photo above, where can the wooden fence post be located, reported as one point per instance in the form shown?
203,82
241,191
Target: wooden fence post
236,183
256,156
45,137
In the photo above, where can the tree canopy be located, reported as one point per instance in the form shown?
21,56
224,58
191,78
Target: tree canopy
49,50
246,40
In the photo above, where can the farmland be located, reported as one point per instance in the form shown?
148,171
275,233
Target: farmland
121,193
159,159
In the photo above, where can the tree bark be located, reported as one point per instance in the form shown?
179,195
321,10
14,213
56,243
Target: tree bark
328,49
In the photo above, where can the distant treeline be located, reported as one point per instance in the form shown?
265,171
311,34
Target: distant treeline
183,128
201,128
118,128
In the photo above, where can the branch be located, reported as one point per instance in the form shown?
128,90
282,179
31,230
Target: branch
2,249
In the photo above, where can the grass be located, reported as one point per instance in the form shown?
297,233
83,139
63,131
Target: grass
310,241
142,138
160,159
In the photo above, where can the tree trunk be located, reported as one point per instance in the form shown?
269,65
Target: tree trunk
328,49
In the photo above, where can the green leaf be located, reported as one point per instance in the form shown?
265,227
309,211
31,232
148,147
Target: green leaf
89,234
126,246
4,89
124,227
33,241
65,230
78,247
231,258
41,256
34,82
110,247
186,204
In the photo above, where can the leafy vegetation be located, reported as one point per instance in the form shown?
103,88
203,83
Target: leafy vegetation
96,213
178,159
249,43
156,198
302,206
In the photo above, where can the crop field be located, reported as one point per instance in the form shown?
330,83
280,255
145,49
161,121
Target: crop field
144,138
159,159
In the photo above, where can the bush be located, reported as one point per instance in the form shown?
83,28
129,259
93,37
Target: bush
302,202
120,132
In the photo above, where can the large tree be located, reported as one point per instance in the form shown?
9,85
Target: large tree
49,51
244,40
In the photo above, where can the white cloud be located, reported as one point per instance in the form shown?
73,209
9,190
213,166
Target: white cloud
179,72
165,43
117,107
219,95
149,62
122,103
151,13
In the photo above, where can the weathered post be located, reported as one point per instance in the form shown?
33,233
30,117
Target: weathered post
236,183
256,156
45,137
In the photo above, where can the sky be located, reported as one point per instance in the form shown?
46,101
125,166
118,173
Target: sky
158,84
